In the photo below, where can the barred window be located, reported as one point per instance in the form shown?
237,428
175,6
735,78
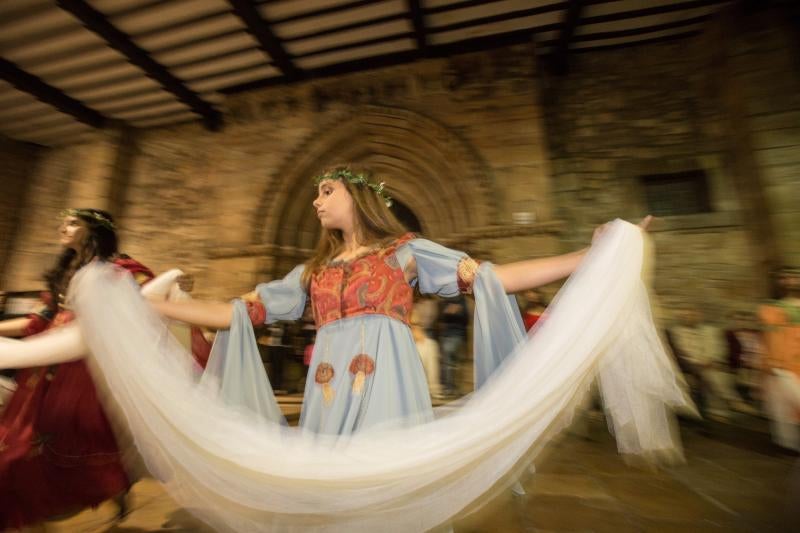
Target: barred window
676,193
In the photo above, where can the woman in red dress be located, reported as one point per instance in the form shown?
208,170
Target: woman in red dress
58,453
534,307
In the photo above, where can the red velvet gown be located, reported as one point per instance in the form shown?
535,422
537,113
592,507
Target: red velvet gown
58,453
530,319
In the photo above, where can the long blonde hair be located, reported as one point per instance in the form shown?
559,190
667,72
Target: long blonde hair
374,225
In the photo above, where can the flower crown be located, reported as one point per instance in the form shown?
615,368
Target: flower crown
355,179
85,213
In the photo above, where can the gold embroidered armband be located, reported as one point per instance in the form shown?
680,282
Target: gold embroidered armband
466,271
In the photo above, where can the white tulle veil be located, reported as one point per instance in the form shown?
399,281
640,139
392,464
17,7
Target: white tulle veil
240,472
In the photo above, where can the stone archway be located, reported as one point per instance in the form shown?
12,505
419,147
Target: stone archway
427,165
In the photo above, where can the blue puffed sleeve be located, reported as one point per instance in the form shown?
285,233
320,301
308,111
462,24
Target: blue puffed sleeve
284,299
234,367
497,325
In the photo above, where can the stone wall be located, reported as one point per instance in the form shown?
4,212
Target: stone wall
725,102
452,138
17,161
459,141
764,62
469,146
628,113
71,176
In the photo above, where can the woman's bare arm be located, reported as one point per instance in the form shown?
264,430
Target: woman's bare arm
14,327
217,315
532,273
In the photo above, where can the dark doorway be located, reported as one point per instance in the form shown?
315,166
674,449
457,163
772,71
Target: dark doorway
406,216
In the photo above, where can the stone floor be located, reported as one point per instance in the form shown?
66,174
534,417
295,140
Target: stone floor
733,480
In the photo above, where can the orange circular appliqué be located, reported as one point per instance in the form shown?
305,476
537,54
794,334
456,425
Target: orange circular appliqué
362,363
324,373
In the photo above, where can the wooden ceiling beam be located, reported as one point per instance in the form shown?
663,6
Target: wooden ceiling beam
630,32
358,44
269,42
654,40
326,11
500,17
182,24
418,21
463,4
347,27
655,10
48,94
99,24
398,58
560,58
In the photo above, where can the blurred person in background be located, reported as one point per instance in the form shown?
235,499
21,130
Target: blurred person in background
699,348
781,319
58,453
276,352
746,352
309,333
533,307
427,309
453,322
429,354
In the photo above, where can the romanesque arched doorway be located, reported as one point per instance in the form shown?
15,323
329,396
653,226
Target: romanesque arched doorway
432,172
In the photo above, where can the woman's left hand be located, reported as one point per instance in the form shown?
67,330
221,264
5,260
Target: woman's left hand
644,224
598,231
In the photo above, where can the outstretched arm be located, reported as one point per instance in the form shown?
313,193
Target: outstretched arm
216,315
532,273
523,275
287,299
60,345
14,327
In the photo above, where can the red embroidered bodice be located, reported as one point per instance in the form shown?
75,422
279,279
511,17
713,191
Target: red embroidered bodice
372,284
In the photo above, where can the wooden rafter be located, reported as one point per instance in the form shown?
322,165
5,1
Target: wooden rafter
182,24
654,10
418,20
406,56
630,32
349,46
347,27
463,4
272,46
324,11
654,40
499,17
48,94
560,57
99,24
